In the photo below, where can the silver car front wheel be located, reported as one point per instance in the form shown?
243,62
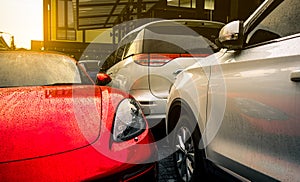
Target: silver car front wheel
188,158
185,154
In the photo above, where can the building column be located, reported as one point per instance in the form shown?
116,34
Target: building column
200,9
139,9
234,10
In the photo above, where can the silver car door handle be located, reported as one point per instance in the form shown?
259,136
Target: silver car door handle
177,71
295,76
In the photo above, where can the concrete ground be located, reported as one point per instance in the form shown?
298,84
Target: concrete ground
166,167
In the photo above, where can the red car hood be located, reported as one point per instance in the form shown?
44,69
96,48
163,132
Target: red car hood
41,121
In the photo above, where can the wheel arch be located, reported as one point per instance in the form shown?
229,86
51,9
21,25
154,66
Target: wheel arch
177,106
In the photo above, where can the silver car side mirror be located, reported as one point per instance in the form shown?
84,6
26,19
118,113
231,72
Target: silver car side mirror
231,36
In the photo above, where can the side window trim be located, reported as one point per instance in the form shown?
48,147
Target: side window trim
273,41
261,31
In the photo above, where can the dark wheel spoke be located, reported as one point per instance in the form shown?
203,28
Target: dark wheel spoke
181,142
191,157
179,160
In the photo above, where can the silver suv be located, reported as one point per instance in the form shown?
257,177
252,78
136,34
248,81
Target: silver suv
241,106
149,57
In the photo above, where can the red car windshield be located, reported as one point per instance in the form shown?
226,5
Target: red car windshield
26,68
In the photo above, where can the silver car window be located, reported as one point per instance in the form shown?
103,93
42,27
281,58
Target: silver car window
282,21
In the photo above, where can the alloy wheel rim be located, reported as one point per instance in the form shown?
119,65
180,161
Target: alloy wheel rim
185,154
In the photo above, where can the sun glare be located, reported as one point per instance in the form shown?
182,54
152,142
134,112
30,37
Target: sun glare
23,19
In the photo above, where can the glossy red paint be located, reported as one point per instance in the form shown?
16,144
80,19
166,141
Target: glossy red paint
78,165
63,133
35,123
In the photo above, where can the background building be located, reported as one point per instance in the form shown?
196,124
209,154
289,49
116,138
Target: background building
90,29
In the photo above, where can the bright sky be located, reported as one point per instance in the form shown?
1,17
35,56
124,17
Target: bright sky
23,19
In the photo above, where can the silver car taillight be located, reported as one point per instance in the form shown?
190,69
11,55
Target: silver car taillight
160,59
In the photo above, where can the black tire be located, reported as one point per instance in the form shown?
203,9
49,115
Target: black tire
188,158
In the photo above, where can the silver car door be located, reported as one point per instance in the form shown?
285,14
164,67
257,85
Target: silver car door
259,135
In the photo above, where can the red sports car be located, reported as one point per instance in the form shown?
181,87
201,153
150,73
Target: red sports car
56,125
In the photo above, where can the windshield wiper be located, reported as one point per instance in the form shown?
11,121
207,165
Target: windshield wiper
55,84
52,84
8,86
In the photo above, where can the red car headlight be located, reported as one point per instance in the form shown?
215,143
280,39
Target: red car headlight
129,120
